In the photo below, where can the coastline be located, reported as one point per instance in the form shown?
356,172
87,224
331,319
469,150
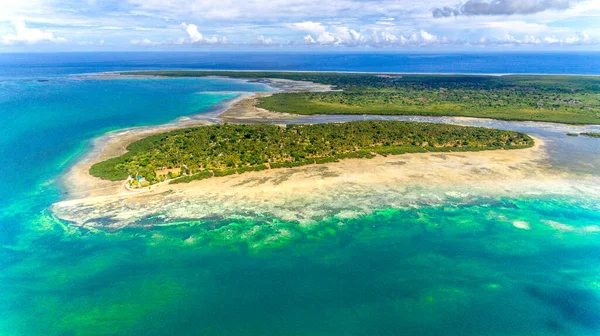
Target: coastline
491,74
306,193
77,181
310,193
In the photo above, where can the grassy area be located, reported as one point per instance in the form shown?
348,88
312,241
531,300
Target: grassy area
220,150
564,99
481,104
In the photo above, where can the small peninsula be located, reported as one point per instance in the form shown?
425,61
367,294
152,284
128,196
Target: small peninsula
224,149
559,99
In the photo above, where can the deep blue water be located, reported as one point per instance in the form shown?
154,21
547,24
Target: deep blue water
35,65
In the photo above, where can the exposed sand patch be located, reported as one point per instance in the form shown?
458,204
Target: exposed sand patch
521,225
245,111
288,85
568,228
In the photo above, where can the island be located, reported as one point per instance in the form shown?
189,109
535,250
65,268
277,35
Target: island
225,149
560,99
244,159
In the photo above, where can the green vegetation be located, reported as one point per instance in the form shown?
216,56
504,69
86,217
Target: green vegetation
220,150
564,99
591,134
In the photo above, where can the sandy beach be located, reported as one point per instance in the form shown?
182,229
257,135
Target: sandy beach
79,183
347,188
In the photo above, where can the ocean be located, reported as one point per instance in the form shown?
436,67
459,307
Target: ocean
40,65
489,265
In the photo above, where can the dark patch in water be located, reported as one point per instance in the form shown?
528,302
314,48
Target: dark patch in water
555,326
107,220
446,156
284,176
150,220
330,174
320,170
258,181
213,218
578,305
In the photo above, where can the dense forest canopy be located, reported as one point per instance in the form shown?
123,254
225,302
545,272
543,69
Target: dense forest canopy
217,150
565,99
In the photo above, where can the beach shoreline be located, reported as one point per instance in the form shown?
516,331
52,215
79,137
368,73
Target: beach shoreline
78,183
310,193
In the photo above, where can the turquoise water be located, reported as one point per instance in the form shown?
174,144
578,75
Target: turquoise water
45,125
487,266
447,270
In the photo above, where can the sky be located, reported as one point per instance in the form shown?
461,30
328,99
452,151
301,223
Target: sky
443,25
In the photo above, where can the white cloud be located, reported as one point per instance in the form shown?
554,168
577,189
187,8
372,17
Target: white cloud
264,41
310,26
26,35
423,37
143,42
572,39
195,37
91,43
502,7
321,34
360,23
273,10
388,37
508,39
582,38
515,26
585,36
332,35
193,32
308,39
531,40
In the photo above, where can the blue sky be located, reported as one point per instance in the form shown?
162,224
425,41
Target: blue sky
56,25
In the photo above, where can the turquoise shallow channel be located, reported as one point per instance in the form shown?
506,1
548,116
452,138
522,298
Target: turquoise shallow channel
487,266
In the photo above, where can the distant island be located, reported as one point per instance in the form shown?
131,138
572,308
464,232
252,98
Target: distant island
585,134
224,149
591,134
561,99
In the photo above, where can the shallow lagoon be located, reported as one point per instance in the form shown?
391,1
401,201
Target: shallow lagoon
486,266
